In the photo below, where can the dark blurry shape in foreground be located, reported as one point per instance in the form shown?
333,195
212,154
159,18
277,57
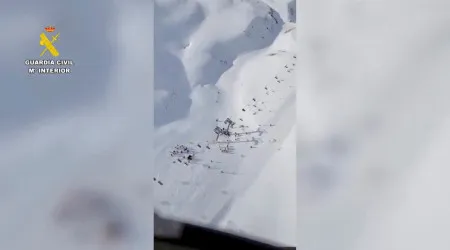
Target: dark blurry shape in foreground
92,216
177,235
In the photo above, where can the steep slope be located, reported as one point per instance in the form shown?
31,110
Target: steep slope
197,41
286,9
238,64
270,198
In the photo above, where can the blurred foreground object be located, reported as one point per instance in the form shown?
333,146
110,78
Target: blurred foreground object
373,125
176,235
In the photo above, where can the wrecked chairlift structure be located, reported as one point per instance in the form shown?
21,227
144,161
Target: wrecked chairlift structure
218,130
226,148
224,131
229,122
221,131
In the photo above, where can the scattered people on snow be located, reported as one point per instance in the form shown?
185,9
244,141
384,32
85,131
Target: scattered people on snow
217,130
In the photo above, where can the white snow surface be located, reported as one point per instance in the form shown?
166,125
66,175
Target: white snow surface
214,59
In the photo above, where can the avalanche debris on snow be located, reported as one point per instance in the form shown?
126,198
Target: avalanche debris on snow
242,104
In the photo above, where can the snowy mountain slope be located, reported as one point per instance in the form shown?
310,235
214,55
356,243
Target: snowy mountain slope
286,9
189,55
238,63
270,199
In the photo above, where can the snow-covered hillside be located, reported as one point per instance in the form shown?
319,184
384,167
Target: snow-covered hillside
219,60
